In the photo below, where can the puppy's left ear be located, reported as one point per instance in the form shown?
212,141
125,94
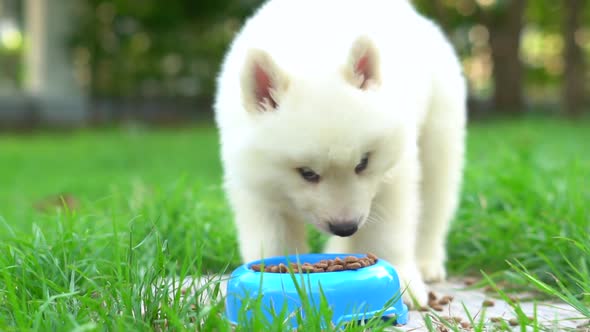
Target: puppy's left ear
363,68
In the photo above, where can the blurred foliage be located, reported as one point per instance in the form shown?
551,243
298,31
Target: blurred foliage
11,46
466,21
10,69
142,47
134,48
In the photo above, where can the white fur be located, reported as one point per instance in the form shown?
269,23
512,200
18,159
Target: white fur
406,106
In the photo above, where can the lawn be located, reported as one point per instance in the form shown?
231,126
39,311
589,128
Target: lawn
147,204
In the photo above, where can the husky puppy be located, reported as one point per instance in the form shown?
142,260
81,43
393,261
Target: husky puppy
349,115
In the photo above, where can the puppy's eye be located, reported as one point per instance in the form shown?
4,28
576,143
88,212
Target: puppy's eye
309,175
362,165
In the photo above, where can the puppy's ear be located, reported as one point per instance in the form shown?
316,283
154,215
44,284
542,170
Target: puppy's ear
363,66
263,83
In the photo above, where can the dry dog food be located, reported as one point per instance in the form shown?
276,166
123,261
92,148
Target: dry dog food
327,265
437,304
466,325
488,303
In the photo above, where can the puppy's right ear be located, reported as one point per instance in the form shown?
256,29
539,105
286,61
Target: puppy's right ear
263,83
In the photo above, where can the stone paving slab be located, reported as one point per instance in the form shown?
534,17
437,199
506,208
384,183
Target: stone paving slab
552,315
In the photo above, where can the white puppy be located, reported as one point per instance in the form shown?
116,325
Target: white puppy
349,115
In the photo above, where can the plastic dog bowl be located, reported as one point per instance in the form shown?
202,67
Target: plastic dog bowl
352,295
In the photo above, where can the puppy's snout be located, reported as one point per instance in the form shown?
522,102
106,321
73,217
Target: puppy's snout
343,228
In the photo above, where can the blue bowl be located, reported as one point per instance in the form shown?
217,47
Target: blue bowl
352,295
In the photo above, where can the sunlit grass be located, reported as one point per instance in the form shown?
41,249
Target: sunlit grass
149,207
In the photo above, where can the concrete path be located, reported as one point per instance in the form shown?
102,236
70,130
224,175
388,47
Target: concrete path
551,315
554,316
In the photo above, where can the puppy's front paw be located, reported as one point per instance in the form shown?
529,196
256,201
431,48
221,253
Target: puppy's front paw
433,270
415,292
431,261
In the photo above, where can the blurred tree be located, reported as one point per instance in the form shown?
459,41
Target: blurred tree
504,21
574,80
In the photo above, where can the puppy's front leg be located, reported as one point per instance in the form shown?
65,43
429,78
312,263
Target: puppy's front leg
390,232
264,231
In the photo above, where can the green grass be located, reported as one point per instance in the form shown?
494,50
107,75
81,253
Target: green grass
527,184
150,206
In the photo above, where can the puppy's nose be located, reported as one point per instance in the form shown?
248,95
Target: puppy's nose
343,228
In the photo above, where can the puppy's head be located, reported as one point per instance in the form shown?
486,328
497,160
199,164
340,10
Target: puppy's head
320,144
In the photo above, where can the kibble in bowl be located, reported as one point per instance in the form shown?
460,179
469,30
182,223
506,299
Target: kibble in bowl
356,286
325,265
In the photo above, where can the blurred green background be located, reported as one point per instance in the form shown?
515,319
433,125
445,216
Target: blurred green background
156,61
131,194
